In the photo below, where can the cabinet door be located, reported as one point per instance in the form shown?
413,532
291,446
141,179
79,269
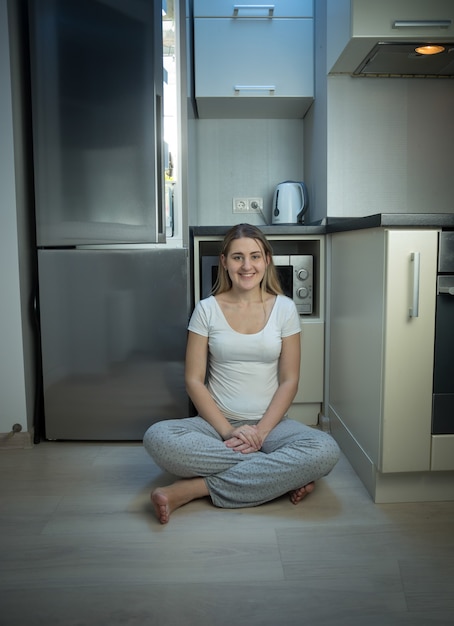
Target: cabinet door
256,9
310,388
259,58
410,283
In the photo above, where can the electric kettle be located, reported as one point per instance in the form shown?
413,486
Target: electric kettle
290,203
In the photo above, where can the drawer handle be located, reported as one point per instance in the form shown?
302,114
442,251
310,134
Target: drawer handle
415,258
270,88
250,7
422,23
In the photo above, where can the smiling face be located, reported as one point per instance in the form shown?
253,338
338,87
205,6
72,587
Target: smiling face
246,263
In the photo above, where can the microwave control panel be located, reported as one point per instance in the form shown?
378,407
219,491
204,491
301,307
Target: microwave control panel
296,273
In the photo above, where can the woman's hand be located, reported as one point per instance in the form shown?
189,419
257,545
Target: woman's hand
245,439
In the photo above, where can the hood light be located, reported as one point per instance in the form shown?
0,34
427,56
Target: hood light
429,49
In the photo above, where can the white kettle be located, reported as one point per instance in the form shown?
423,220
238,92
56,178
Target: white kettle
290,203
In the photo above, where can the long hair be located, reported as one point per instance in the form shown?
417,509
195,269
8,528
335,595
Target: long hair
270,283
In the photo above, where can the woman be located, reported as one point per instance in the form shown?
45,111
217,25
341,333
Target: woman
242,371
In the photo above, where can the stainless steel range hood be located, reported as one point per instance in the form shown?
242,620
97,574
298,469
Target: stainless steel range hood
402,59
380,37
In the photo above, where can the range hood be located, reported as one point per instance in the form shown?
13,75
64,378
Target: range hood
402,59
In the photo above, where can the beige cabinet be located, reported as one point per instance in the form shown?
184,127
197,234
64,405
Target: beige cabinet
381,317
253,60
354,26
308,401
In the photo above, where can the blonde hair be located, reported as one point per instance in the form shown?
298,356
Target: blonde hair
270,283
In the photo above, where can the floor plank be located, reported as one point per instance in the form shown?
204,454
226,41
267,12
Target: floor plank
80,546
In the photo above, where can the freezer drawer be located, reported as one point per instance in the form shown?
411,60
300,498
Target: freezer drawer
113,333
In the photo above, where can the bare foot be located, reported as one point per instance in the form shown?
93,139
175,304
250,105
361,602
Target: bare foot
298,494
161,505
166,499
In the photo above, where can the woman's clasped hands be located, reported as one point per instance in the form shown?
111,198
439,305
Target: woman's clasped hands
245,439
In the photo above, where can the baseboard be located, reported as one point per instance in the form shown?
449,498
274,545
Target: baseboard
358,459
435,486
18,441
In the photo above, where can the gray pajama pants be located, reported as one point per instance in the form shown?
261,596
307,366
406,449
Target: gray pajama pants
292,456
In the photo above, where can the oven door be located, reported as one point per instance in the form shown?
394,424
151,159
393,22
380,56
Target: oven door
443,388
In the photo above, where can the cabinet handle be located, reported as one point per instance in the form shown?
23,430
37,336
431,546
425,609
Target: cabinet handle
239,88
415,258
422,23
262,7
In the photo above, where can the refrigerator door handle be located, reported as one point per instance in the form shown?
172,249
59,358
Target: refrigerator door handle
159,173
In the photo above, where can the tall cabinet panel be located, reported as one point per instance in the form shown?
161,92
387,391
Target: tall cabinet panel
409,337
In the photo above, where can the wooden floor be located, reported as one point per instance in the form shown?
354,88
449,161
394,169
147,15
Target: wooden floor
80,546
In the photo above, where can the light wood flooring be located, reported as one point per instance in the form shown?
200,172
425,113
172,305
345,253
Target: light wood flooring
80,546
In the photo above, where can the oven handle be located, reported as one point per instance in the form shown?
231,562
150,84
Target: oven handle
415,259
448,290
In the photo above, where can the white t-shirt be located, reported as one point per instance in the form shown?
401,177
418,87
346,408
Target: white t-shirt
243,369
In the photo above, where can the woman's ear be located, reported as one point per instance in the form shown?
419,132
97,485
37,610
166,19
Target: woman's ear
223,260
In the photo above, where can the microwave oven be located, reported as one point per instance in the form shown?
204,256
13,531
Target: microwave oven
295,271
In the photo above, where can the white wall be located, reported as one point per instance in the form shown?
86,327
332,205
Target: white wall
390,146
376,145
12,377
243,158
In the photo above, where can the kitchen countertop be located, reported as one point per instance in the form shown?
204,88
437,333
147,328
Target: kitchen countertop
340,224
285,230
390,220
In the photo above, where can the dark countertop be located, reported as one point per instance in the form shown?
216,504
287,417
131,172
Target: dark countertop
390,220
289,229
340,224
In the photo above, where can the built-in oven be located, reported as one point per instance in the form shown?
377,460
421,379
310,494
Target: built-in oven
443,381
296,275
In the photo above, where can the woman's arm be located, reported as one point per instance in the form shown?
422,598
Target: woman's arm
195,373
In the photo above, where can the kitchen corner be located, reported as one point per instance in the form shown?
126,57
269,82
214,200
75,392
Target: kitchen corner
361,146
373,367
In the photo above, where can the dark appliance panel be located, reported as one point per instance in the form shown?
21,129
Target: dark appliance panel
443,383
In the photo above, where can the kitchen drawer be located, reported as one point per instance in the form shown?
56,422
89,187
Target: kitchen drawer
275,59
254,9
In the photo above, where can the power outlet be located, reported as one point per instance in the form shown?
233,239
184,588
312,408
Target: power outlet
255,205
240,205
247,205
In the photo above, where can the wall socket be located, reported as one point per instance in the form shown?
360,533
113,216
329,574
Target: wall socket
247,205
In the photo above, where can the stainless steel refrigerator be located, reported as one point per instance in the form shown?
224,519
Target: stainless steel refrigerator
112,296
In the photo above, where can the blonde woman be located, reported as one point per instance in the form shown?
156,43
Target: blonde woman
242,372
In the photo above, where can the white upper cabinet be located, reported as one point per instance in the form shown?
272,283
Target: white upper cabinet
355,26
254,9
253,60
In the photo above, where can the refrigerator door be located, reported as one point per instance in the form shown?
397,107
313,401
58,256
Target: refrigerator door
113,335
96,77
